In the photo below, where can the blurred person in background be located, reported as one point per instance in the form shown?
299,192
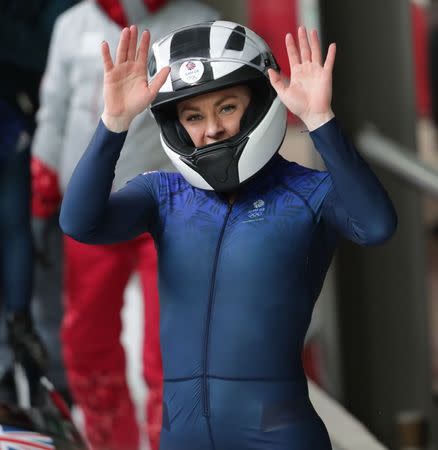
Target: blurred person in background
25,29
95,277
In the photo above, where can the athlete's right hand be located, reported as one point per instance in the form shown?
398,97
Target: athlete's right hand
126,90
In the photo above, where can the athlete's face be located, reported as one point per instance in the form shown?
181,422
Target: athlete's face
215,116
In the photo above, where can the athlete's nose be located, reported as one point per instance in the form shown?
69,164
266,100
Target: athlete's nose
215,130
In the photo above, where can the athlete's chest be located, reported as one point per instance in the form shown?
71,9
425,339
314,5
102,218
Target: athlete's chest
275,223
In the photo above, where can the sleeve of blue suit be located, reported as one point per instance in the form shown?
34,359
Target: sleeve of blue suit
356,205
90,212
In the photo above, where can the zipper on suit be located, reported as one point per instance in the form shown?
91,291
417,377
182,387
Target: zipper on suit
209,312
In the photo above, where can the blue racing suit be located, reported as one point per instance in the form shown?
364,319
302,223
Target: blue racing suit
237,282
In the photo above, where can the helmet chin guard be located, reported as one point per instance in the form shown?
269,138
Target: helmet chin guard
209,57
218,164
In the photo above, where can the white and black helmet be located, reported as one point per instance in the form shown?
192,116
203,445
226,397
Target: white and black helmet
207,57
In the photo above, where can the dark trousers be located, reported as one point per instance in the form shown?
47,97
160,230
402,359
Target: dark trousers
16,253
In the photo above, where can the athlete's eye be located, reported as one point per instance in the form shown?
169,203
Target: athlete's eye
193,117
229,108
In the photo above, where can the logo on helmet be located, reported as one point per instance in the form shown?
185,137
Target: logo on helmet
191,71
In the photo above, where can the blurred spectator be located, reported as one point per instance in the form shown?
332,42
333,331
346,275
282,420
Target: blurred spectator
95,277
25,29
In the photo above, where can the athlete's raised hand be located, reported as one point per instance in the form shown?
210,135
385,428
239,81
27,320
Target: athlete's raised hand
308,92
126,89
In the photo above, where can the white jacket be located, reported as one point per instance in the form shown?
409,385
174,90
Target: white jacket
71,95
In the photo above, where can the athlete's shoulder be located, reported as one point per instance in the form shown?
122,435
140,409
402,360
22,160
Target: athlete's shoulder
169,183
301,179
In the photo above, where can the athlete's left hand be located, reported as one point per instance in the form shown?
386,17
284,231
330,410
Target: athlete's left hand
308,92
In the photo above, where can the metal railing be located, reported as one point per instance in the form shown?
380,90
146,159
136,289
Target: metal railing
401,161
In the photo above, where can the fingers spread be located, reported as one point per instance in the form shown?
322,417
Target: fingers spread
315,48
292,52
330,59
106,56
277,81
142,52
132,43
122,49
159,80
304,44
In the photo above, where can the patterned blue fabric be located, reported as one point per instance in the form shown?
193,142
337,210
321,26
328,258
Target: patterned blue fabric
237,282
